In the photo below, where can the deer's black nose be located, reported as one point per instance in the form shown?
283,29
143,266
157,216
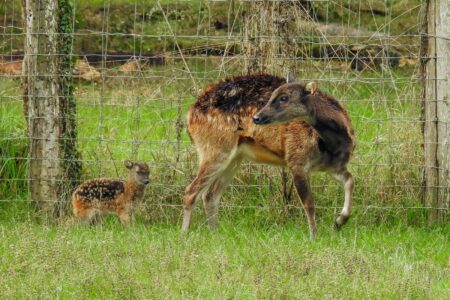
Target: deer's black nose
257,119
146,181
261,120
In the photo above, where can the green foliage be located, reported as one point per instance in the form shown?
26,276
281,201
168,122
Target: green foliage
71,156
13,144
125,18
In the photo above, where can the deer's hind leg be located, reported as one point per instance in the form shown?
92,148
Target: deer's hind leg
211,167
212,196
346,178
83,211
88,216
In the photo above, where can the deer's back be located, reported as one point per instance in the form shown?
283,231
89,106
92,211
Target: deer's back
221,118
107,193
234,95
100,189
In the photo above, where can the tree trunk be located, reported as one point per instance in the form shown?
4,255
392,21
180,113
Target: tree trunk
436,107
49,105
269,35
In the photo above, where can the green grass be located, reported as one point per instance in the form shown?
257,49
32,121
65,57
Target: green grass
241,260
13,143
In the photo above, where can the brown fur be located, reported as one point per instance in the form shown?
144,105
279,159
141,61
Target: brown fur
97,197
221,127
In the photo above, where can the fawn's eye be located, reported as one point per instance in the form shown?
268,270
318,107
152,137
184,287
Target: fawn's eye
283,98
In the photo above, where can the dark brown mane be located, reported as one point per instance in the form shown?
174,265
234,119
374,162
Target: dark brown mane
234,93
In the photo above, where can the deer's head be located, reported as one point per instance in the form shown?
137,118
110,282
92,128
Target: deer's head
288,102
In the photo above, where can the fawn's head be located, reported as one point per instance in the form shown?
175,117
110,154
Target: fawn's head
287,102
139,171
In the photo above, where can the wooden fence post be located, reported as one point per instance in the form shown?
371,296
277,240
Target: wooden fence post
435,62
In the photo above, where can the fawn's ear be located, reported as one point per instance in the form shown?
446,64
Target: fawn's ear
312,87
290,78
128,164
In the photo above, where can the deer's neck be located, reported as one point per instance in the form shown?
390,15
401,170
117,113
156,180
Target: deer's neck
137,190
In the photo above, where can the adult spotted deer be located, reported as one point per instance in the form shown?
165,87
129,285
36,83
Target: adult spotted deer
264,119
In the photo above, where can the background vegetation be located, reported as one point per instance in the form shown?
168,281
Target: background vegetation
261,249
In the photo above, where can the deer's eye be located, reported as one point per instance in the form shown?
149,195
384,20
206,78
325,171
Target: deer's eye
283,98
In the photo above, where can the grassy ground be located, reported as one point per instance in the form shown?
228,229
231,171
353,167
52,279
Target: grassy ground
244,259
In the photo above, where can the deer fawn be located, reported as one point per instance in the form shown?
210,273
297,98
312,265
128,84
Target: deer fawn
97,197
264,119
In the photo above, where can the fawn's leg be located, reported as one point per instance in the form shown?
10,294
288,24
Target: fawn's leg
95,219
124,216
83,213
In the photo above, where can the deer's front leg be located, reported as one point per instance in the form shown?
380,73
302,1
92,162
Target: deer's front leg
304,191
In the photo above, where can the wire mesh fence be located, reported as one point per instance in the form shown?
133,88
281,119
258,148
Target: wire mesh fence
138,66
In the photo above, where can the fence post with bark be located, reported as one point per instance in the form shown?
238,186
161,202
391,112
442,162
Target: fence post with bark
49,105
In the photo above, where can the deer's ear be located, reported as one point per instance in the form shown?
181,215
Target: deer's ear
290,78
128,164
312,87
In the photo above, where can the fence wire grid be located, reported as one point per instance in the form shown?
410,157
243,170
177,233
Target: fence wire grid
138,66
